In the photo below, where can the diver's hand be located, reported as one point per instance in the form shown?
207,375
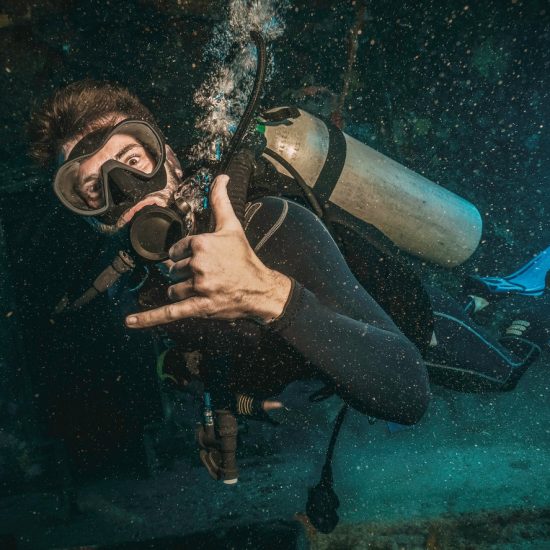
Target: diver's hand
221,276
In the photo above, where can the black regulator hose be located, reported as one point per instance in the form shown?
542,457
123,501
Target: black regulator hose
240,171
322,502
239,134
239,165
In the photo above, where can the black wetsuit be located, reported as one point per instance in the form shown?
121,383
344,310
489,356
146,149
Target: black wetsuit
458,353
333,329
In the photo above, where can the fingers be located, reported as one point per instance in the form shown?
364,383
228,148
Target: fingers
221,205
181,250
181,291
192,307
180,271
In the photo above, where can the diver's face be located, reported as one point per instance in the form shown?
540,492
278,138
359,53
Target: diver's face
126,149
121,147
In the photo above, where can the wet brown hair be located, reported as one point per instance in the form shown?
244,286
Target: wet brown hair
77,109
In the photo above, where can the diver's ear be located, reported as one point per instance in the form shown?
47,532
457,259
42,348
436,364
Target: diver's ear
173,161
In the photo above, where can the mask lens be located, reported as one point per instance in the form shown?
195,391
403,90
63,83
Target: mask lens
84,195
83,183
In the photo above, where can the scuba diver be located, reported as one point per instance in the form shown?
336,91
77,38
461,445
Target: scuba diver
302,312
256,285
282,270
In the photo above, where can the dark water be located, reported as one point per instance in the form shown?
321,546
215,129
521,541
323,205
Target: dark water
94,452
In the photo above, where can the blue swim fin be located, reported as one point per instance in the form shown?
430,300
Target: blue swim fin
529,280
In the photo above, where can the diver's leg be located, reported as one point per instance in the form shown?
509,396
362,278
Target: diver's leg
465,357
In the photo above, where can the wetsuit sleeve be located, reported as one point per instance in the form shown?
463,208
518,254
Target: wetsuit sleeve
332,321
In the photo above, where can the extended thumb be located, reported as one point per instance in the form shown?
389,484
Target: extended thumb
222,209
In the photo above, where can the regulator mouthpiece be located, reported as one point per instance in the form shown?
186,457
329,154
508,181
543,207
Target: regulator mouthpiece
154,230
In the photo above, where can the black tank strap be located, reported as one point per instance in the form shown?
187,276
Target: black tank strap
281,115
334,164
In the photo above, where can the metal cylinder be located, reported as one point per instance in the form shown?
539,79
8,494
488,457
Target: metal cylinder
418,215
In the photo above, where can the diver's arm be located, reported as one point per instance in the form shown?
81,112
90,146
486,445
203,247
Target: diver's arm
333,322
372,364
377,371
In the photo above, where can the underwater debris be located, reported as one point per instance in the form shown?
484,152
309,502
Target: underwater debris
195,8
7,20
488,529
422,126
337,117
315,99
310,531
489,61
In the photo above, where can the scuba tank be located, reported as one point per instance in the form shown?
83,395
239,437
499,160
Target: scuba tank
417,215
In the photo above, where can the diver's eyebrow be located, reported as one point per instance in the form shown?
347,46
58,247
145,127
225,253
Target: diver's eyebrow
125,149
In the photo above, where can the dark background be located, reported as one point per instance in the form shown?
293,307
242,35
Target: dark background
455,90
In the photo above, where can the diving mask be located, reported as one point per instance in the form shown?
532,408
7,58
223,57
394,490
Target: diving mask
111,169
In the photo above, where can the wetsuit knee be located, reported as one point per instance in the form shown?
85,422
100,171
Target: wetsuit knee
404,393
419,393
